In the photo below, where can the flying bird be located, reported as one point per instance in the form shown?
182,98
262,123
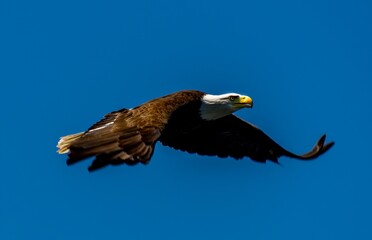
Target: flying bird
191,121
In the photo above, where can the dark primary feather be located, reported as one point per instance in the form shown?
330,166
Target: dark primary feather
232,137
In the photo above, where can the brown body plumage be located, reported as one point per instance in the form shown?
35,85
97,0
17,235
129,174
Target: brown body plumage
178,120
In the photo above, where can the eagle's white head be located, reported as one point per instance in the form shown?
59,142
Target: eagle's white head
217,106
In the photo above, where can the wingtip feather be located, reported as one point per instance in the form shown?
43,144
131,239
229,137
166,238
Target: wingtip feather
318,149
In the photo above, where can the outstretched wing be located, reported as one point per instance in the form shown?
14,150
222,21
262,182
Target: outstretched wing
111,141
232,137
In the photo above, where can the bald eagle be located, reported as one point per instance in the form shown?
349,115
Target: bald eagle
190,121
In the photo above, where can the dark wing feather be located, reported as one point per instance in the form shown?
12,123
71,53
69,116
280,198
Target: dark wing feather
131,149
113,142
131,146
232,137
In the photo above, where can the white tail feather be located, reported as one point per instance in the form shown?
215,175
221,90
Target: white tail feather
65,142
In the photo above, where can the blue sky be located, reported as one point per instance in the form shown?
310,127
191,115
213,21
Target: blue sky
306,64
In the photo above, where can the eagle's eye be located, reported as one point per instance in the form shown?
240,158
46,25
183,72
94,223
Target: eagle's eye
233,98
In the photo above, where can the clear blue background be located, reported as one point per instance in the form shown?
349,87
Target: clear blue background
306,64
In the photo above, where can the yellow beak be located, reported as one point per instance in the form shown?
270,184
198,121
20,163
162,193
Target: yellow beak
244,101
